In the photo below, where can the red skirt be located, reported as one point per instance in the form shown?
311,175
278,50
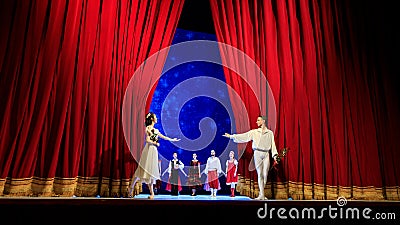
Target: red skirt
212,179
230,178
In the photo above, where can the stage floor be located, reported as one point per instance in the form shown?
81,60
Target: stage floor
197,197
141,197
186,209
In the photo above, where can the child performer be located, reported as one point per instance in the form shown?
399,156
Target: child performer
231,172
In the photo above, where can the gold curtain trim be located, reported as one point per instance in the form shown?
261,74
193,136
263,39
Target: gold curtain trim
65,186
306,191
392,193
114,187
2,184
42,186
87,186
106,187
18,187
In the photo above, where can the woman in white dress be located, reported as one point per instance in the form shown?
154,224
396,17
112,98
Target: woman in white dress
148,169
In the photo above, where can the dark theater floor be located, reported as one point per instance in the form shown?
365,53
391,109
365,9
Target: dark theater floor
200,209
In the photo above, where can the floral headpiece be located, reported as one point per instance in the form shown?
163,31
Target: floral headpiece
148,115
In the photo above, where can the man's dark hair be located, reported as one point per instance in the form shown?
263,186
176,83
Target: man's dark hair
264,118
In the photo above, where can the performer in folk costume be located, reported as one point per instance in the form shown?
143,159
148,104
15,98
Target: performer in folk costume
194,178
174,180
231,172
213,169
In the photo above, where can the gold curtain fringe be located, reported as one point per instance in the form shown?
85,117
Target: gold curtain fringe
138,188
87,186
2,185
368,193
392,193
18,187
319,192
280,190
246,187
106,187
268,190
296,191
114,188
331,192
305,191
42,186
345,192
64,187
308,191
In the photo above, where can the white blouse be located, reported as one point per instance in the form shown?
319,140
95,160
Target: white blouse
213,163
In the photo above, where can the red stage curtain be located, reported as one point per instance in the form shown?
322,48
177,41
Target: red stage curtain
336,103
64,68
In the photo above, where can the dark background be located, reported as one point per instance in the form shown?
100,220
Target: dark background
196,16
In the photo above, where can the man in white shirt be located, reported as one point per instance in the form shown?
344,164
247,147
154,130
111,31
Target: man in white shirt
213,169
263,143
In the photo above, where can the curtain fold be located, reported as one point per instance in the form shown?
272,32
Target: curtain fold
64,68
329,67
